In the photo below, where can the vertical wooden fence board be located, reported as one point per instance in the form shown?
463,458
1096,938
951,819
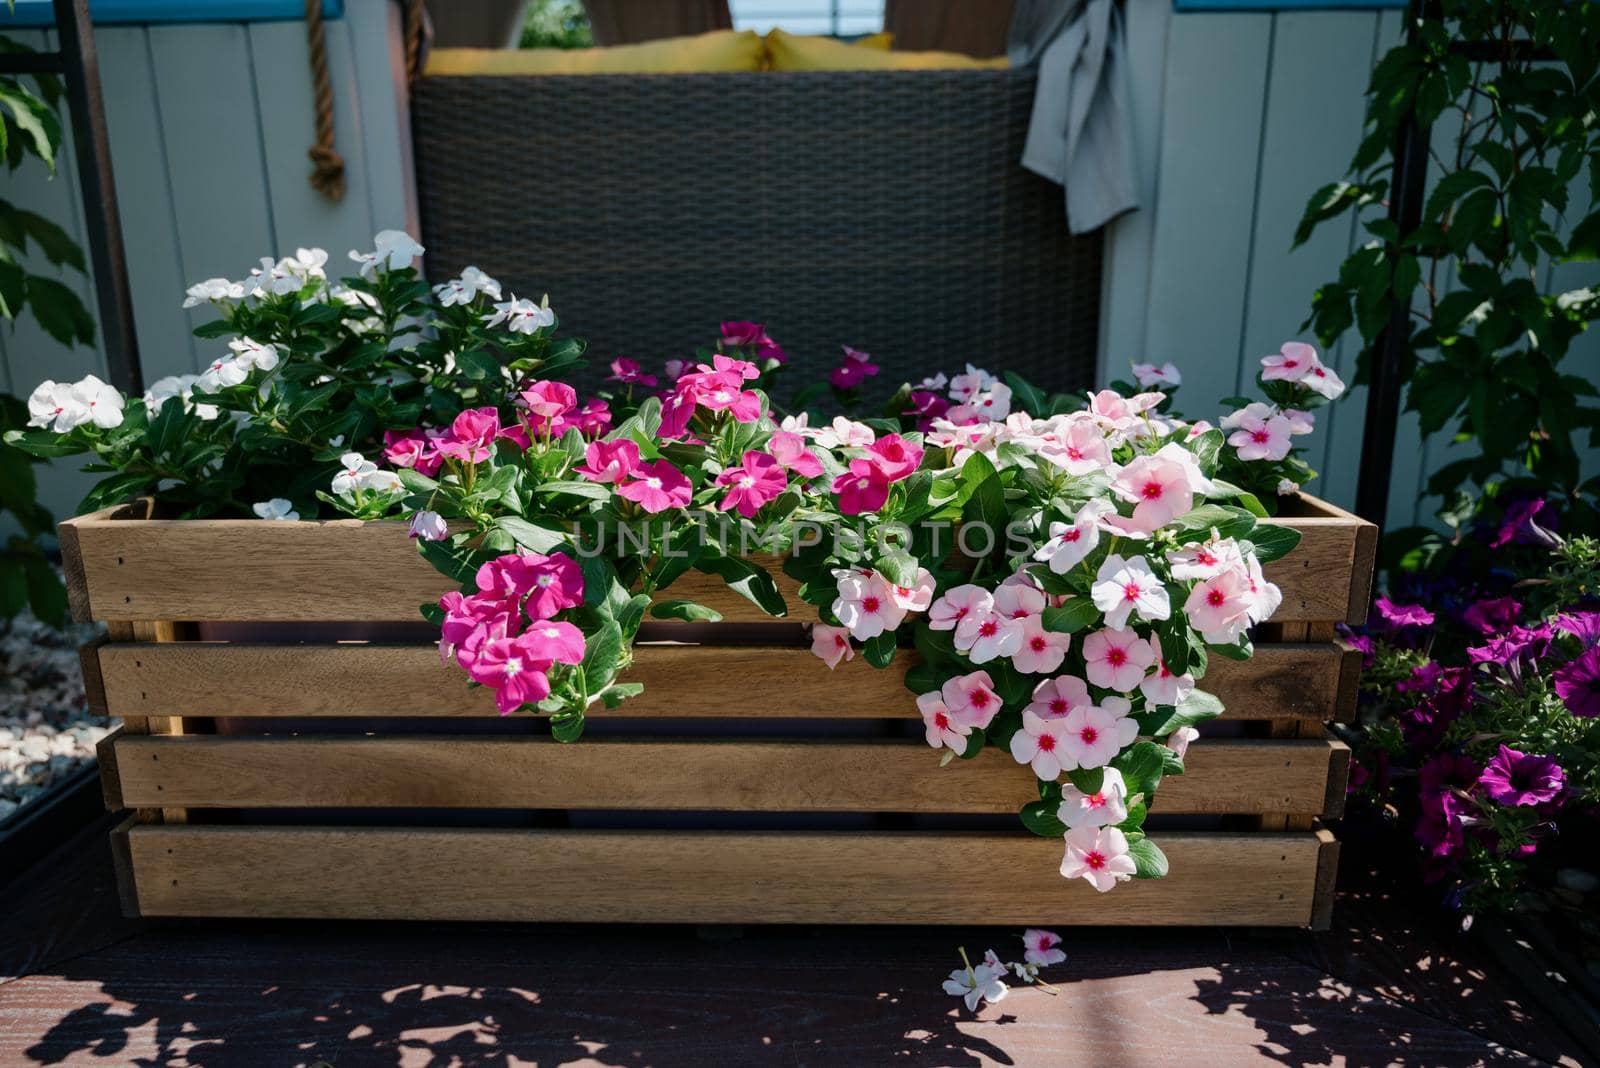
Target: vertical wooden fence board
1212,105
373,28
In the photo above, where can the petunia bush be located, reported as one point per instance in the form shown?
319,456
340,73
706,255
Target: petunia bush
1061,569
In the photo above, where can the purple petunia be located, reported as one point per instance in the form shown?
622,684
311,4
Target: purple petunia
1585,626
1518,642
1519,526
1578,683
1439,828
1403,615
1492,616
1514,778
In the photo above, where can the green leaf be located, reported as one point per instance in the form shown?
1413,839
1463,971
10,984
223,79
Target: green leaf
36,121
1073,616
52,240
1141,765
59,311
416,481
592,490
880,650
899,568
1088,780
567,726
1040,818
535,537
685,610
1274,541
478,365
451,558
617,692
1226,520
602,656
1148,860
1028,395
1198,707
745,579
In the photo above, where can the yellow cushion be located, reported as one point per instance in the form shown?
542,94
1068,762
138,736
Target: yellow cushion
791,52
881,41
720,50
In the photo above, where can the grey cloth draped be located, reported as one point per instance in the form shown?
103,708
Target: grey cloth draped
617,22
1080,134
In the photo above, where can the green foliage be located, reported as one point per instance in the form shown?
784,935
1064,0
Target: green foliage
1488,333
556,24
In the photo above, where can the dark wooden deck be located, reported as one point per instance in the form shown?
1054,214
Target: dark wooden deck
81,985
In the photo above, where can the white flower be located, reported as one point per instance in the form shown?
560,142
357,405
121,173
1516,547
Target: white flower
226,371
359,473
964,387
975,985
212,289
181,386
1099,855
253,354
1287,488
393,250
1107,808
1123,586
844,432
1203,560
273,278
933,383
1149,376
307,264
54,405
277,508
104,402
1042,949
521,316
1321,379
1178,741
429,526
465,289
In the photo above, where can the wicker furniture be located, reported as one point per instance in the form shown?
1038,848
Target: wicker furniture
884,209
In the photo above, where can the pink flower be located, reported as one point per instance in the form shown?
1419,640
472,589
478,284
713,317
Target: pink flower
866,604
1203,560
657,486
1079,446
971,699
1291,364
413,449
927,407
547,400
1041,948
857,368
1159,487
1117,659
429,526
789,449
919,595
677,408
471,435
466,613
964,387
956,604
1261,439
1321,379
1070,543
1091,737
507,666
549,583
943,729
831,645
720,391
844,432
1162,687
1017,597
1054,698
1122,587
592,420
630,372
744,370
896,457
1042,650
1040,745
1099,855
1219,607
1178,741
987,635
862,489
1105,808
674,369
551,640
1149,376
752,484
745,334
609,461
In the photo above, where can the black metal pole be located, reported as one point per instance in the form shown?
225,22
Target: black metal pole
1391,349
102,222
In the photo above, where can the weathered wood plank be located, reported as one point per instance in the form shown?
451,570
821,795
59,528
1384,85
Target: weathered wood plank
703,877
438,771
243,569
1327,878
1297,681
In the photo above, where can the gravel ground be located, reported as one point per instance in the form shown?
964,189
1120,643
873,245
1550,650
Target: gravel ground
46,732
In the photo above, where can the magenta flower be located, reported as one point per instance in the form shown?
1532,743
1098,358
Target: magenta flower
463,615
1403,615
548,640
926,406
789,449
507,666
1518,524
609,461
677,408
856,369
1492,616
547,400
1518,642
862,489
1585,626
896,457
745,334
1439,828
630,372
1446,772
413,449
657,486
1578,683
471,435
1424,678
1516,779
759,479
743,370
549,583
723,391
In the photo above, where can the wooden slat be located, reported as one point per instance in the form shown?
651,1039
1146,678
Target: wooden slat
242,569
217,679
442,771
704,877
1327,878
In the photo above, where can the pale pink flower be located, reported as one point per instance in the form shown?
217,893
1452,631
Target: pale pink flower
1291,364
1287,487
943,730
1322,379
1089,738
1149,376
1120,712
1054,698
1122,587
971,699
1076,444
1042,651
789,449
1040,745
1159,488
1162,687
844,433
1219,607
1117,659
956,604
429,526
988,635
1069,544
1017,597
1265,597
1203,560
1300,422
964,387
918,596
1106,808
1042,948
1178,741
866,604
1261,439
831,645
1099,855
977,984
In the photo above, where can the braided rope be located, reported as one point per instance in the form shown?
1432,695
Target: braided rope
413,30
327,174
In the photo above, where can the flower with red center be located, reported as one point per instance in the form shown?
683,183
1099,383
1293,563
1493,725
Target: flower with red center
971,699
1054,698
943,730
1219,607
656,487
1290,364
1041,651
1203,560
956,604
1122,587
1040,744
1090,738
985,636
831,645
1070,543
1162,687
1107,807
1261,437
1117,659
866,604
1158,487
757,480
1042,948
1099,855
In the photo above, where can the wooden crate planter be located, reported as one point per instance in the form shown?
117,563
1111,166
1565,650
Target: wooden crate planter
361,782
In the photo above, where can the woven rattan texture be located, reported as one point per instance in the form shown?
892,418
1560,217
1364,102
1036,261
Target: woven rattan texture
883,209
